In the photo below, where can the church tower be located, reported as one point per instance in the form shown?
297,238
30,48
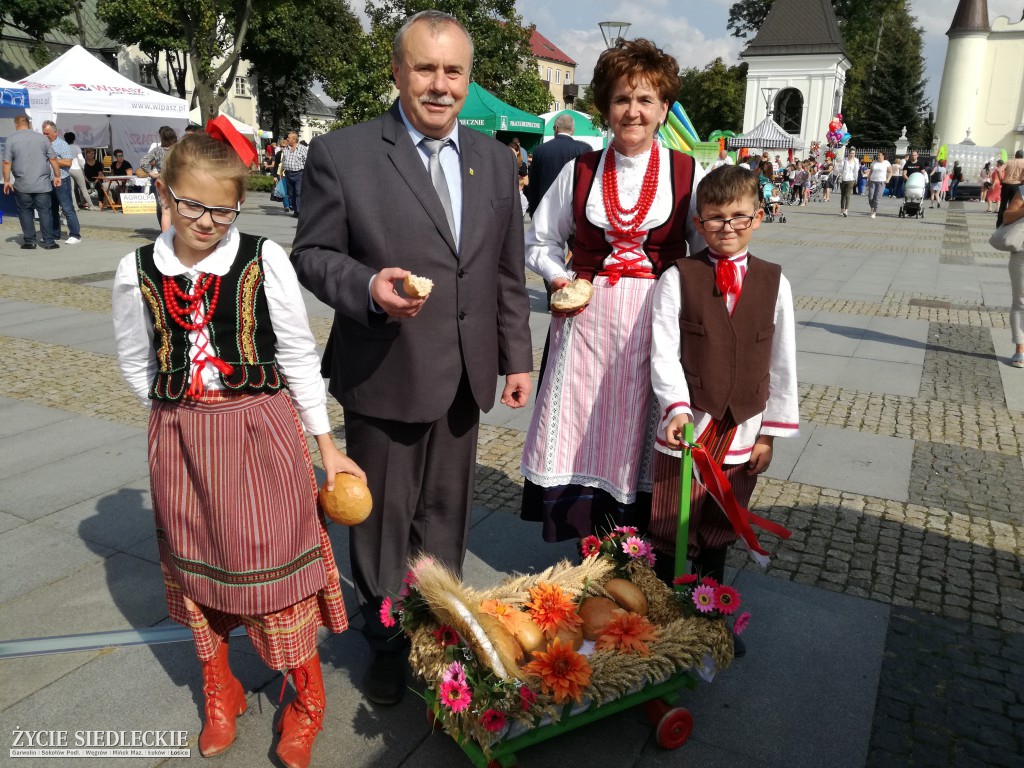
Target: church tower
963,72
797,57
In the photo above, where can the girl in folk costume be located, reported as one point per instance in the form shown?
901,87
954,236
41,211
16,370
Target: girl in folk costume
212,331
628,212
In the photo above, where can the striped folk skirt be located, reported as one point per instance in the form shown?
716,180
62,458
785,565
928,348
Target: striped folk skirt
595,416
241,540
709,527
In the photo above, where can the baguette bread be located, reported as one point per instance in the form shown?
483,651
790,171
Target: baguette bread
417,287
573,296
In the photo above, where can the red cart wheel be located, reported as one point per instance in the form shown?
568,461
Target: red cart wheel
497,764
655,709
675,728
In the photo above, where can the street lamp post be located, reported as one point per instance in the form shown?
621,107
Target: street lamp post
613,31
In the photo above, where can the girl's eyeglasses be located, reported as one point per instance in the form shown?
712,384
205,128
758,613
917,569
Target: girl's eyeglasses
192,209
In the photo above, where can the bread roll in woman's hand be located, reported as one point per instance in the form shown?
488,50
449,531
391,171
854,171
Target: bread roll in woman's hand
417,287
573,296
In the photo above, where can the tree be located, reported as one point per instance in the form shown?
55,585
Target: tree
208,34
37,18
153,27
714,96
503,61
287,53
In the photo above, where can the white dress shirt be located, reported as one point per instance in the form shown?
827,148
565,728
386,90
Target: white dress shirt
553,221
297,358
781,416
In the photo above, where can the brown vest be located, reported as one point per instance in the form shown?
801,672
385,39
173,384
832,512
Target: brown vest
727,360
664,243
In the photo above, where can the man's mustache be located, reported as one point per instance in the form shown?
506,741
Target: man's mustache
441,101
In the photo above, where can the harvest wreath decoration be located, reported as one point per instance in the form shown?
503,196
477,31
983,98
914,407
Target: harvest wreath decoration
504,660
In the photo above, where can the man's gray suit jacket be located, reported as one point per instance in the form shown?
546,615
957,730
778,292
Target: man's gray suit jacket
367,204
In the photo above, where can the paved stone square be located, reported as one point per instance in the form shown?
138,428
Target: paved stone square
889,630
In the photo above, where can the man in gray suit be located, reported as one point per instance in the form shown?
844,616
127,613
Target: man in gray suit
413,192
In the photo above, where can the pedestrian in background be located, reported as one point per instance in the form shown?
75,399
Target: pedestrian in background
29,165
62,196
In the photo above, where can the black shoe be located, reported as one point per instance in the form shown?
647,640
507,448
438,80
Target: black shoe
295,215
28,246
49,246
385,679
739,648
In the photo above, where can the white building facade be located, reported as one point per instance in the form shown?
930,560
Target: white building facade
982,80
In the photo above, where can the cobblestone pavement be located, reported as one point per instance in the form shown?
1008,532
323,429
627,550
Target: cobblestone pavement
950,560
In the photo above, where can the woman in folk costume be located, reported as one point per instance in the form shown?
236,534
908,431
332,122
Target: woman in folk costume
628,213
212,331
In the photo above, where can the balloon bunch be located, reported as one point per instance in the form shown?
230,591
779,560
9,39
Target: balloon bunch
837,134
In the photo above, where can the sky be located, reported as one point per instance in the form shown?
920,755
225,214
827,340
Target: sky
694,31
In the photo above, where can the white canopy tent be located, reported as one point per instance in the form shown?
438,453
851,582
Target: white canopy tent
18,100
102,107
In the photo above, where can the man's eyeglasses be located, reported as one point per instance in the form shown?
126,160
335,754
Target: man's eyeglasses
194,210
118,156
736,222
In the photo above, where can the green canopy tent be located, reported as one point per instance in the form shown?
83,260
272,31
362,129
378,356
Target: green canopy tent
485,112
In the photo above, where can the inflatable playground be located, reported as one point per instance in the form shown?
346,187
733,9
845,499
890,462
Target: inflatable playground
679,134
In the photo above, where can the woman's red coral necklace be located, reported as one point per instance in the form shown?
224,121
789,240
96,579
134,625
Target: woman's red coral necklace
628,220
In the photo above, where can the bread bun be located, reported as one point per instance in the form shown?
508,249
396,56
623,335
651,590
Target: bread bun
596,613
505,643
529,635
349,503
571,638
573,296
417,287
627,594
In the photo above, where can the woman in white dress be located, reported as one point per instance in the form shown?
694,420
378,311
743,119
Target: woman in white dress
627,214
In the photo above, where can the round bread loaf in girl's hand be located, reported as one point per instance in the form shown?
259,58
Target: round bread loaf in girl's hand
575,295
349,503
417,287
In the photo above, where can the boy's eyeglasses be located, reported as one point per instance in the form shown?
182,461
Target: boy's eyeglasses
736,222
118,156
194,210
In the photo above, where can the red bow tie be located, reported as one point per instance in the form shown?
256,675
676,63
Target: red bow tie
727,276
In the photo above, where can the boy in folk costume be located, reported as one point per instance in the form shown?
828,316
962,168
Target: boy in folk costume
212,332
723,354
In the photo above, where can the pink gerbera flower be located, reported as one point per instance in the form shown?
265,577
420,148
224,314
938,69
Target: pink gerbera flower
728,599
686,578
455,696
492,720
527,697
591,545
632,546
651,557
704,598
741,623
455,673
385,613
629,530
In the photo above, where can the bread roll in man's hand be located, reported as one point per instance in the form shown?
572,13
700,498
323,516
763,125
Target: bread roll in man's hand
417,287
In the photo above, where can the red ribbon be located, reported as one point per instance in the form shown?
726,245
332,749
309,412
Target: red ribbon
740,517
727,277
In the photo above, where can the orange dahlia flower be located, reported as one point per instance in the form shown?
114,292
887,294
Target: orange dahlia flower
552,609
562,672
628,632
510,617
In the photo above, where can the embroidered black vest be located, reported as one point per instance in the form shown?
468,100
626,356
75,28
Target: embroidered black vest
240,329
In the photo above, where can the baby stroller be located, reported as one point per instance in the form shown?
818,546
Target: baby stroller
913,196
814,188
771,201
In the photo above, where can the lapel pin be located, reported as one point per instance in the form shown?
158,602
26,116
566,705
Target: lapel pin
470,171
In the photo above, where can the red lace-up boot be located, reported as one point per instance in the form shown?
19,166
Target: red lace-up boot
303,718
225,700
